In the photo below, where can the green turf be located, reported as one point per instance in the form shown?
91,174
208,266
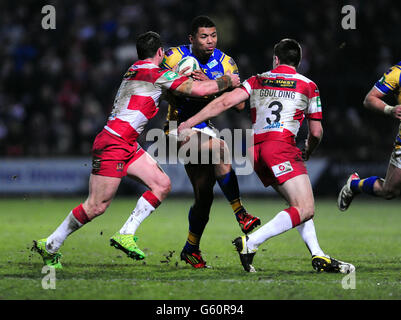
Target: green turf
368,235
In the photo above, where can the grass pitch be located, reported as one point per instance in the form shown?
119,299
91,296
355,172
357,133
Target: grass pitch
367,235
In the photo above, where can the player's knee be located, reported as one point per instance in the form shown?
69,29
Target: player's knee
307,213
204,200
95,209
162,187
389,194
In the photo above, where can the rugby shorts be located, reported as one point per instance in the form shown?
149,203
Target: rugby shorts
112,155
276,161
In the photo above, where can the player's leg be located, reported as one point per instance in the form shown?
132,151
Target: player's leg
387,188
228,182
202,180
101,192
145,170
305,205
300,197
297,191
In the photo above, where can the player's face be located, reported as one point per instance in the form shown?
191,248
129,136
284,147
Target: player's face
205,41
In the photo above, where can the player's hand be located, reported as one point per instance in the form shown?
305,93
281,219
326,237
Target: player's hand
199,75
183,126
235,81
396,112
174,69
305,152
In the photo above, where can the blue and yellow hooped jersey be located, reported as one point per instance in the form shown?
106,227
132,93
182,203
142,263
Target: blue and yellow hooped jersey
182,108
391,82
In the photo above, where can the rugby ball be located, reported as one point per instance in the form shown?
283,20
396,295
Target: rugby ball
190,62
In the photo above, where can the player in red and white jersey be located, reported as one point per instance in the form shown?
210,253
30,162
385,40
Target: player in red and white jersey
280,99
116,152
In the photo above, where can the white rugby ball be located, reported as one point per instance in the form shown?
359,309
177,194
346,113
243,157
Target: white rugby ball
190,62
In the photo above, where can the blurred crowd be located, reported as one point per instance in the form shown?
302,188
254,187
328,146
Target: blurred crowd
57,86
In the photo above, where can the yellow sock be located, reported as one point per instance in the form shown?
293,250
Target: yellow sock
237,206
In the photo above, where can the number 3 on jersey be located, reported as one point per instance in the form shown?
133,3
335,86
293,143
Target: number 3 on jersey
274,108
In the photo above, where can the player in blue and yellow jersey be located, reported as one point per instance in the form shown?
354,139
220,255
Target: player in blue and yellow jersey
390,186
214,64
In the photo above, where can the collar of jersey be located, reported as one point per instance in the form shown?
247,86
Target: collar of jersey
283,69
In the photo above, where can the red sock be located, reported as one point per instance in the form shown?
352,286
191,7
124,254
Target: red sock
80,214
151,198
294,215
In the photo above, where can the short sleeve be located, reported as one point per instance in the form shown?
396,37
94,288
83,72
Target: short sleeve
170,80
314,110
390,81
171,57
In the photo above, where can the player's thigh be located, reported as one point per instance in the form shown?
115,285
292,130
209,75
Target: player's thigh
146,170
298,192
392,182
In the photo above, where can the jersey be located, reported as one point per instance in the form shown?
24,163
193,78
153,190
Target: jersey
137,99
390,82
182,108
280,99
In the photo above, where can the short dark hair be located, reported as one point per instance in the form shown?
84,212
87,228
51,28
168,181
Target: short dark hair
147,45
289,52
201,22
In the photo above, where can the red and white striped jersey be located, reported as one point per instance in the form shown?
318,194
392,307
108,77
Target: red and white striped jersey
138,98
280,99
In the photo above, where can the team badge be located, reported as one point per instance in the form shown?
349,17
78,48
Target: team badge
120,166
96,164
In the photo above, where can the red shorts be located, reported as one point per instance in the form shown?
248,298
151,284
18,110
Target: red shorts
112,155
276,161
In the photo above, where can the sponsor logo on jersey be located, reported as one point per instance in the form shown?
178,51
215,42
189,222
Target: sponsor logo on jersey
170,75
274,125
130,74
169,52
216,74
212,63
280,83
282,168
231,61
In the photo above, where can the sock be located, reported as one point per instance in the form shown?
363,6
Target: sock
146,204
196,227
308,234
229,185
68,226
283,221
364,185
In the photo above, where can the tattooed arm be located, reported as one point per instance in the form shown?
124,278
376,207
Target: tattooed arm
207,87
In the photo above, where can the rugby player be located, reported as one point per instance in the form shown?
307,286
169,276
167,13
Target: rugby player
214,64
116,152
389,187
280,99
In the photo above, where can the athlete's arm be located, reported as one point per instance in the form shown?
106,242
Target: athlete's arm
315,135
208,87
217,106
373,101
